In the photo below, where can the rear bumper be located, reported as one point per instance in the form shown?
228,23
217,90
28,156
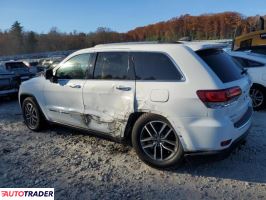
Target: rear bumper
220,154
208,133
8,92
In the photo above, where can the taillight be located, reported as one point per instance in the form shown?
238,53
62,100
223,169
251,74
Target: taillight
219,98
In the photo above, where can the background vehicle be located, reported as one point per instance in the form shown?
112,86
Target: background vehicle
255,40
18,68
9,83
34,67
255,64
169,99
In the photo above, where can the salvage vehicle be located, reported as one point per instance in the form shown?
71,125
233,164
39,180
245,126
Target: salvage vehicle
255,65
9,83
18,68
169,100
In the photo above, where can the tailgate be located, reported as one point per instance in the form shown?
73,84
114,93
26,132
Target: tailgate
242,105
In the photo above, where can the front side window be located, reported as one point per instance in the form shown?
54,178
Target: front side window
154,66
113,65
76,67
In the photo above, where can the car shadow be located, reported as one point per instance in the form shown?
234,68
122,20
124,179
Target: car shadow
235,166
231,166
246,163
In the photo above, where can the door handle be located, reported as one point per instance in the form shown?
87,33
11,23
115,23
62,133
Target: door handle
123,88
74,86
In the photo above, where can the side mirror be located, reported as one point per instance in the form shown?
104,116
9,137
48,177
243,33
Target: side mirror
48,74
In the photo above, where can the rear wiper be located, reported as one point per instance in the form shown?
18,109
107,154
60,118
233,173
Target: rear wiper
244,71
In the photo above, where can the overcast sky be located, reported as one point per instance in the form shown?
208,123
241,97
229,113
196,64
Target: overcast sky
119,15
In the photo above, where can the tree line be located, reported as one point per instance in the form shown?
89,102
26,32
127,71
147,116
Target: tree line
207,26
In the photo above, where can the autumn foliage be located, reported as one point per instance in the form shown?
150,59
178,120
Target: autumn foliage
203,27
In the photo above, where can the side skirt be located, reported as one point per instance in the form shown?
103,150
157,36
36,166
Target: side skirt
90,132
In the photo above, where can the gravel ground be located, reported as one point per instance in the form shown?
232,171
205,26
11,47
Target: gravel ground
80,166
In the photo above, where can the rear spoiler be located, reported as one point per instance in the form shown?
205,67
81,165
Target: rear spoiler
197,46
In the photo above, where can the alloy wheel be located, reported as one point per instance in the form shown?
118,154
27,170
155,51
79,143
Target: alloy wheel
31,117
159,141
257,97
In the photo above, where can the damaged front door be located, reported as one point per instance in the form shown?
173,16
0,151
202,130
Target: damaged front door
63,96
109,97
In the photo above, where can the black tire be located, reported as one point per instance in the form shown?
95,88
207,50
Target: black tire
258,92
168,159
38,119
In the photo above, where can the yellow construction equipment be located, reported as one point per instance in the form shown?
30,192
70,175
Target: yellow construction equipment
255,40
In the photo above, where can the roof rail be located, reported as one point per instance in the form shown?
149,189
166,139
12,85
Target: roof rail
135,43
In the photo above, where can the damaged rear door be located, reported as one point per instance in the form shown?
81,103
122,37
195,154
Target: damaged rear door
109,96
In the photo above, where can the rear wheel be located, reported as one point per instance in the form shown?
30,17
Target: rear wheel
32,114
156,142
258,96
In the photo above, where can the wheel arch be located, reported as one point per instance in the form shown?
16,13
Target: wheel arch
23,96
133,117
259,85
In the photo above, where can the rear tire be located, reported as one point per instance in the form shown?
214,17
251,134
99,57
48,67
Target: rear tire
156,142
32,114
258,96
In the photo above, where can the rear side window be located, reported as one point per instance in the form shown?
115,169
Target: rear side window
246,63
221,64
154,66
113,65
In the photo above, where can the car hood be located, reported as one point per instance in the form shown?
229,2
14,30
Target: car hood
33,81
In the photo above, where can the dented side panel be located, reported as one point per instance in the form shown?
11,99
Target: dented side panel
106,107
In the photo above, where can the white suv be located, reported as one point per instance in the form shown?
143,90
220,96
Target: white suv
255,64
169,100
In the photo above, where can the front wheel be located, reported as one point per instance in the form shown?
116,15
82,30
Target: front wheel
32,115
156,142
258,96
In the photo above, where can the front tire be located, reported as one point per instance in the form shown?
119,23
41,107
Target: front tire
156,142
258,97
32,114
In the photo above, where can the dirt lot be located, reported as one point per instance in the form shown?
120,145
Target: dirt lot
80,166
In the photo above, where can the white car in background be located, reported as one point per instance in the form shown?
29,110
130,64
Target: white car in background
169,100
255,64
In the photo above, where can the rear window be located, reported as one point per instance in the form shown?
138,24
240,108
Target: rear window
221,64
15,65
